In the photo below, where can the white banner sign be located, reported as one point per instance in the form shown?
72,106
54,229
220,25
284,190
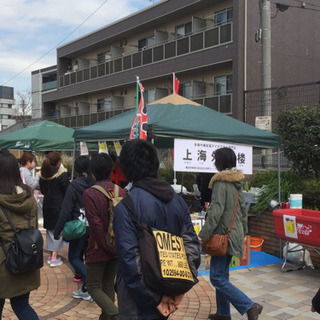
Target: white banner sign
263,123
83,149
198,155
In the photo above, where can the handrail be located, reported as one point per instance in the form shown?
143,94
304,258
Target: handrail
158,52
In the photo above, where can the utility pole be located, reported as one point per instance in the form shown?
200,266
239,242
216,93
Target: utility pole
265,15
266,57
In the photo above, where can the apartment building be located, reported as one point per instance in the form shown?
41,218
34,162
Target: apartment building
211,46
42,81
6,111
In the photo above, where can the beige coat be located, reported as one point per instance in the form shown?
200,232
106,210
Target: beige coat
17,207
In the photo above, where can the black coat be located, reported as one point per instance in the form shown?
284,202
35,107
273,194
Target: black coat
72,204
53,189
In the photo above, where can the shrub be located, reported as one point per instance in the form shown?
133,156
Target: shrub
290,182
268,183
299,129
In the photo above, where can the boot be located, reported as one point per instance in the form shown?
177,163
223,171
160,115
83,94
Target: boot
254,311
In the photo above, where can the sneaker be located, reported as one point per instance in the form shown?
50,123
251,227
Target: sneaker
55,263
49,259
77,278
81,295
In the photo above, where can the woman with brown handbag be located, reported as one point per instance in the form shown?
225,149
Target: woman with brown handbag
224,205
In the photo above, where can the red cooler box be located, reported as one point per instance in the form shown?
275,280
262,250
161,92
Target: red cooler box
298,225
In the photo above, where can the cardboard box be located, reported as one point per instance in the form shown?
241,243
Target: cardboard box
245,259
207,260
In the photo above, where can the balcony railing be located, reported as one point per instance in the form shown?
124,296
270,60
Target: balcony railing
79,121
49,85
221,103
196,41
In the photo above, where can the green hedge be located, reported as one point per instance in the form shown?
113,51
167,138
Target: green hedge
291,182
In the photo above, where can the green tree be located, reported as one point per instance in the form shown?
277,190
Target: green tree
299,129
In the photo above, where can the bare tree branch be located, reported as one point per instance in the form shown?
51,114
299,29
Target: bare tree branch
23,108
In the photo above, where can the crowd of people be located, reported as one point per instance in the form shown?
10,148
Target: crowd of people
102,273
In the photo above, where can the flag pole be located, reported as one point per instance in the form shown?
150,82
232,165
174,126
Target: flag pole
174,91
173,88
137,110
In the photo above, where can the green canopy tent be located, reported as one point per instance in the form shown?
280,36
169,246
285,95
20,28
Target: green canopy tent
40,136
178,117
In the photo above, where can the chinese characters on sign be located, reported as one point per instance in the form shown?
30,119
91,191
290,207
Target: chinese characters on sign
198,156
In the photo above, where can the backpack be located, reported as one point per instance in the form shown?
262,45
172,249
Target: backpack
26,248
114,199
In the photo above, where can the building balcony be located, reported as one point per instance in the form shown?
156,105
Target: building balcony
195,42
221,103
49,85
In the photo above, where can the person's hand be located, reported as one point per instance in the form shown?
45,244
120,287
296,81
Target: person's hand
312,309
167,306
200,239
178,299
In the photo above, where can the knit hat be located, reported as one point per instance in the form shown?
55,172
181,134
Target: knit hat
316,302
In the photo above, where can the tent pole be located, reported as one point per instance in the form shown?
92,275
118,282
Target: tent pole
279,190
279,199
73,159
182,182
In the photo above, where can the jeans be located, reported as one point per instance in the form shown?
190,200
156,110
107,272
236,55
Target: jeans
76,250
21,307
100,285
227,293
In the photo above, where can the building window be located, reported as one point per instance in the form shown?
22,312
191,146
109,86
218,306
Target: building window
185,90
5,116
183,30
145,43
149,95
223,85
223,16
5,105
104,57
104,104
223,92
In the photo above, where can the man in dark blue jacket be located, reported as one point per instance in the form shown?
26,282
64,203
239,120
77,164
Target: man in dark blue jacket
156,204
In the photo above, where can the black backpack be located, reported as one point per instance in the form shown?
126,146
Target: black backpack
26,248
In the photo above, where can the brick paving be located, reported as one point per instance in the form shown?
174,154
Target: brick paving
284,295
53,298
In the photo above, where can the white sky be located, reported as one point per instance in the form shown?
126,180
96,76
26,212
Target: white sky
30,28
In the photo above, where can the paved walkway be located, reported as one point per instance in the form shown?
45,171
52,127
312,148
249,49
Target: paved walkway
284,295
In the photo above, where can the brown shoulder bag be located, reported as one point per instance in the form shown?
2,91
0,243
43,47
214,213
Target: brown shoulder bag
217,244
